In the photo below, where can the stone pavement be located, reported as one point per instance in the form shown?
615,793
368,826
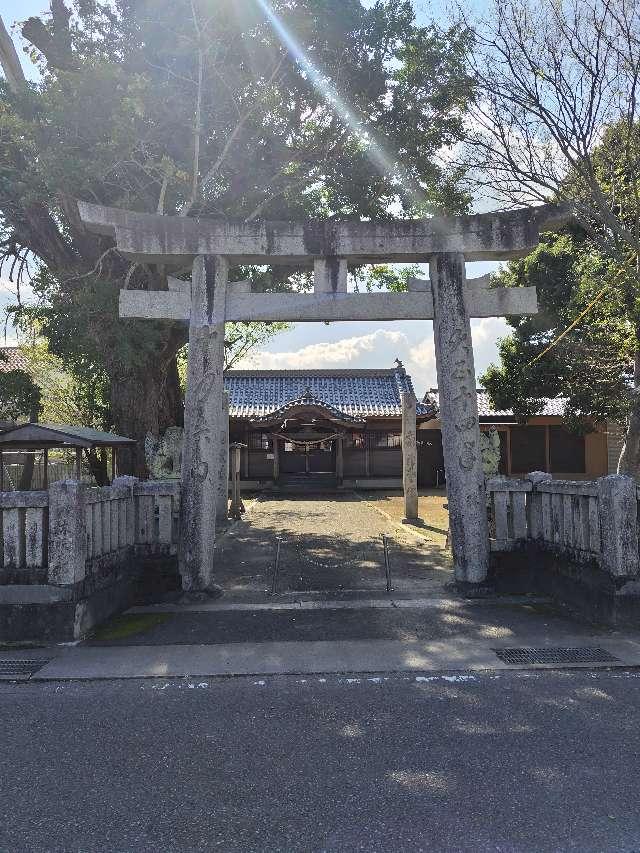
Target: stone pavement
326,543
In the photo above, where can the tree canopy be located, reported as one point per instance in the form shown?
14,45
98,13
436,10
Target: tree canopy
555,119
593,365
20,396
310,109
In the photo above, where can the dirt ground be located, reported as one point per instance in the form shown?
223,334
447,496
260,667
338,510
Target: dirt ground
431,507
328,542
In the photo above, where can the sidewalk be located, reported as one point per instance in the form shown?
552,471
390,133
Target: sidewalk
321,636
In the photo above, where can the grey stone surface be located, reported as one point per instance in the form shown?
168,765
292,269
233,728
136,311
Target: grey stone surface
202,468
331,542
618,507
67,538
330,275
34,594
222,506
449,622
536,519
486,236
409,456
328,306
459,419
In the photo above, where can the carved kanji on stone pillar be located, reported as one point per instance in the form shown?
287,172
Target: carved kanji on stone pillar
409,457
202,464
459,419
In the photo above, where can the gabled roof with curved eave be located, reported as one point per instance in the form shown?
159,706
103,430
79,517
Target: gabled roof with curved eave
357,394
308,401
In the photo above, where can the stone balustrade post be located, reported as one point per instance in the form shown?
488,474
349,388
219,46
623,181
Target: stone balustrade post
535,516
618,510
128,483
67,533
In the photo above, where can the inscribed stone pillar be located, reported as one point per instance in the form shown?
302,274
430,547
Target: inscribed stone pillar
222,508
340,459
618,507
67,542
202,468
409,457
459,419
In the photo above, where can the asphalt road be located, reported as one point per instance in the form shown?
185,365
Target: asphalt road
544,761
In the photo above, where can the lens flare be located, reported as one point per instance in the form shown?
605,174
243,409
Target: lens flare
387,165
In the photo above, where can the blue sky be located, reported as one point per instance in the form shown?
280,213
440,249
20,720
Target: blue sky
365,345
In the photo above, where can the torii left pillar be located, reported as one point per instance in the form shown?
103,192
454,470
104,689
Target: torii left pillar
203,466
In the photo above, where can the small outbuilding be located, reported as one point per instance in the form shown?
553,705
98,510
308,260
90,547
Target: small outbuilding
21,445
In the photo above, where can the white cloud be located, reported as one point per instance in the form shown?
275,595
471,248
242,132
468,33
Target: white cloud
488,329
421,365
378,348
332,354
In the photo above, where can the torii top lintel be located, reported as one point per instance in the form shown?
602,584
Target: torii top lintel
485,236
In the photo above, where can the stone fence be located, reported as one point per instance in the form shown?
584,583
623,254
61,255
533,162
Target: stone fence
583,535
72,531
71,555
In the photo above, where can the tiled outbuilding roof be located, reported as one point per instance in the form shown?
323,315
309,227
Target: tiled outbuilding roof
14,359
551,406
353,393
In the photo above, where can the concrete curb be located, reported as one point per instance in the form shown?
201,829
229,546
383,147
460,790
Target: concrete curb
292,658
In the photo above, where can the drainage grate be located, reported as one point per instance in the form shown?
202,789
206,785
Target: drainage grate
555,655
11,669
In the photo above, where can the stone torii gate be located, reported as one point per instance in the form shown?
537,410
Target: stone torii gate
329,247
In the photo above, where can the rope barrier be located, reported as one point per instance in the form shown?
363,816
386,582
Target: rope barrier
306,444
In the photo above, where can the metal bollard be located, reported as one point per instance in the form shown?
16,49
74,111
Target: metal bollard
387,567
276,568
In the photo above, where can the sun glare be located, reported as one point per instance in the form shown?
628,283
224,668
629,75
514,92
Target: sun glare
387,164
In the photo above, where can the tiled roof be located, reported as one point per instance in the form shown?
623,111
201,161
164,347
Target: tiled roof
354,393
551,406
15,359
307,400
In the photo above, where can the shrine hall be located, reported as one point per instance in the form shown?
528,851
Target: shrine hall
326,429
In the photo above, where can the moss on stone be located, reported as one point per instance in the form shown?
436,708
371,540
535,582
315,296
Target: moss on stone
121,627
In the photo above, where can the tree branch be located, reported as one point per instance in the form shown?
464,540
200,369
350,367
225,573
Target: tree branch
10,62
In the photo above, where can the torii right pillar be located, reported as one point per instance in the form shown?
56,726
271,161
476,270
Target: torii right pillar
459,420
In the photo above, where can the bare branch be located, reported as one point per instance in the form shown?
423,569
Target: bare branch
10,61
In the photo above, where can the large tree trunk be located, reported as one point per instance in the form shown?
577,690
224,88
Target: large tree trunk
630,456
145,401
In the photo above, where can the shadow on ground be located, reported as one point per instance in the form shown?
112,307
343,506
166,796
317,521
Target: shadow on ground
326,544
499,621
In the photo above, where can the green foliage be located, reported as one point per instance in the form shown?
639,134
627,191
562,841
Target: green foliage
65,399
386,277
19,395
593,364
198,109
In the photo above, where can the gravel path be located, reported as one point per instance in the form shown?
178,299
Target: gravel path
326,543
